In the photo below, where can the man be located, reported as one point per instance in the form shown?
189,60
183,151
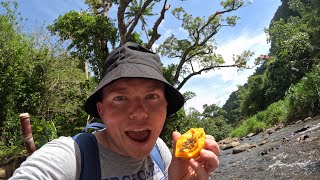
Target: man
133,100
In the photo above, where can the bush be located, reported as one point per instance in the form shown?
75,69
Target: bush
251,125
304,97
274,114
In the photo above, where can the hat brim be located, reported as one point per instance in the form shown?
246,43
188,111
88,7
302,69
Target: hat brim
174,98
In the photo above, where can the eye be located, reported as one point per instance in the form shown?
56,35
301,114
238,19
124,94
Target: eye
119,98
152,96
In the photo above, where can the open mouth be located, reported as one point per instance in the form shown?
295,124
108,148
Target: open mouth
141,135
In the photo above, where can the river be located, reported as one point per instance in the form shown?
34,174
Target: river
292,152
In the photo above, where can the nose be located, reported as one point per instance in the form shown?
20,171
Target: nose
138,110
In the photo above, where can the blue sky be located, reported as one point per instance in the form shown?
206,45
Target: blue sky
213,87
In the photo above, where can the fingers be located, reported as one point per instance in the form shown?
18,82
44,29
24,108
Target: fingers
212,145
209,156
201,173
210,160
175,137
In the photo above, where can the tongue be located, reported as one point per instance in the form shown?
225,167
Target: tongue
138,135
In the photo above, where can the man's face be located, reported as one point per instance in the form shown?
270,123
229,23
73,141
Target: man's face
134,111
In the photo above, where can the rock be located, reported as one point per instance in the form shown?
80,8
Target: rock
250,134
279,126
270,131
302,129
300,121
2,173
229,145
262,143
303,137
8,166
264,153
285,139
253,145
235,139
226,141
307,119
240,148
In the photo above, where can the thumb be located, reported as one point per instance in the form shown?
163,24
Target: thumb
175,137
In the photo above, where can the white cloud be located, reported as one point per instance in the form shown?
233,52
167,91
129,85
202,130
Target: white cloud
216,86
211,95
256,44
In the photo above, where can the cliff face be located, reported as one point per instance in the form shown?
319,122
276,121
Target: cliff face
291,152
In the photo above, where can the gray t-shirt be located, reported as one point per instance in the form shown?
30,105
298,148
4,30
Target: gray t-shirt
60,159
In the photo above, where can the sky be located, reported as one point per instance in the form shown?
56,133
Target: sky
213,87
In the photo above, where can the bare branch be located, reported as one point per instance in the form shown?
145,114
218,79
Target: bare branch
182,61
218,13
200,71
155,34
196,54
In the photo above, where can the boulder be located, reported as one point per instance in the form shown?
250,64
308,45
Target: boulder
241,148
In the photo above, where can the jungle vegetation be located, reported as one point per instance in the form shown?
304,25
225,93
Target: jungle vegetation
51,80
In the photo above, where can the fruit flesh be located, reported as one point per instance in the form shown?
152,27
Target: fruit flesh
190,143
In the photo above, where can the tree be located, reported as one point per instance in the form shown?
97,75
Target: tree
253,99
78,28
213,111
39,78
232,108
198,48
89,35
294,37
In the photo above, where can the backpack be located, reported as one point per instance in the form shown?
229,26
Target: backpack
90,160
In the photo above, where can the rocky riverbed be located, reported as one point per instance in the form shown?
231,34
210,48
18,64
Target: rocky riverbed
290,152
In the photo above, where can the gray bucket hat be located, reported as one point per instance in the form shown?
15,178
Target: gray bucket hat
133,60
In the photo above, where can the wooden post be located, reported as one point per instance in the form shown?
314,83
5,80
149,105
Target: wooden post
27,132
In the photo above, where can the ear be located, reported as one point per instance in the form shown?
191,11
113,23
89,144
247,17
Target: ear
99,108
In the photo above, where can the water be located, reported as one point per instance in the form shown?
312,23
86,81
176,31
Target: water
284,156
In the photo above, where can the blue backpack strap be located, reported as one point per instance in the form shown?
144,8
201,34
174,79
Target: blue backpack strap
90,159
156,156
96,126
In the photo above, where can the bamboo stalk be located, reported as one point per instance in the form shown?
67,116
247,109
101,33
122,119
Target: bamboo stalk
27,132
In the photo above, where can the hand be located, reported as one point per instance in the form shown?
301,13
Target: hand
196,169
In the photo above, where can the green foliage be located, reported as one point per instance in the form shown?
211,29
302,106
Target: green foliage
252,96
211,119
232,108
15,76
274,114
40,79
89,35
251,125
294,36
284,12
304,97
43,131
217,127
136,8
199,45
168,73
213,111
172,124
